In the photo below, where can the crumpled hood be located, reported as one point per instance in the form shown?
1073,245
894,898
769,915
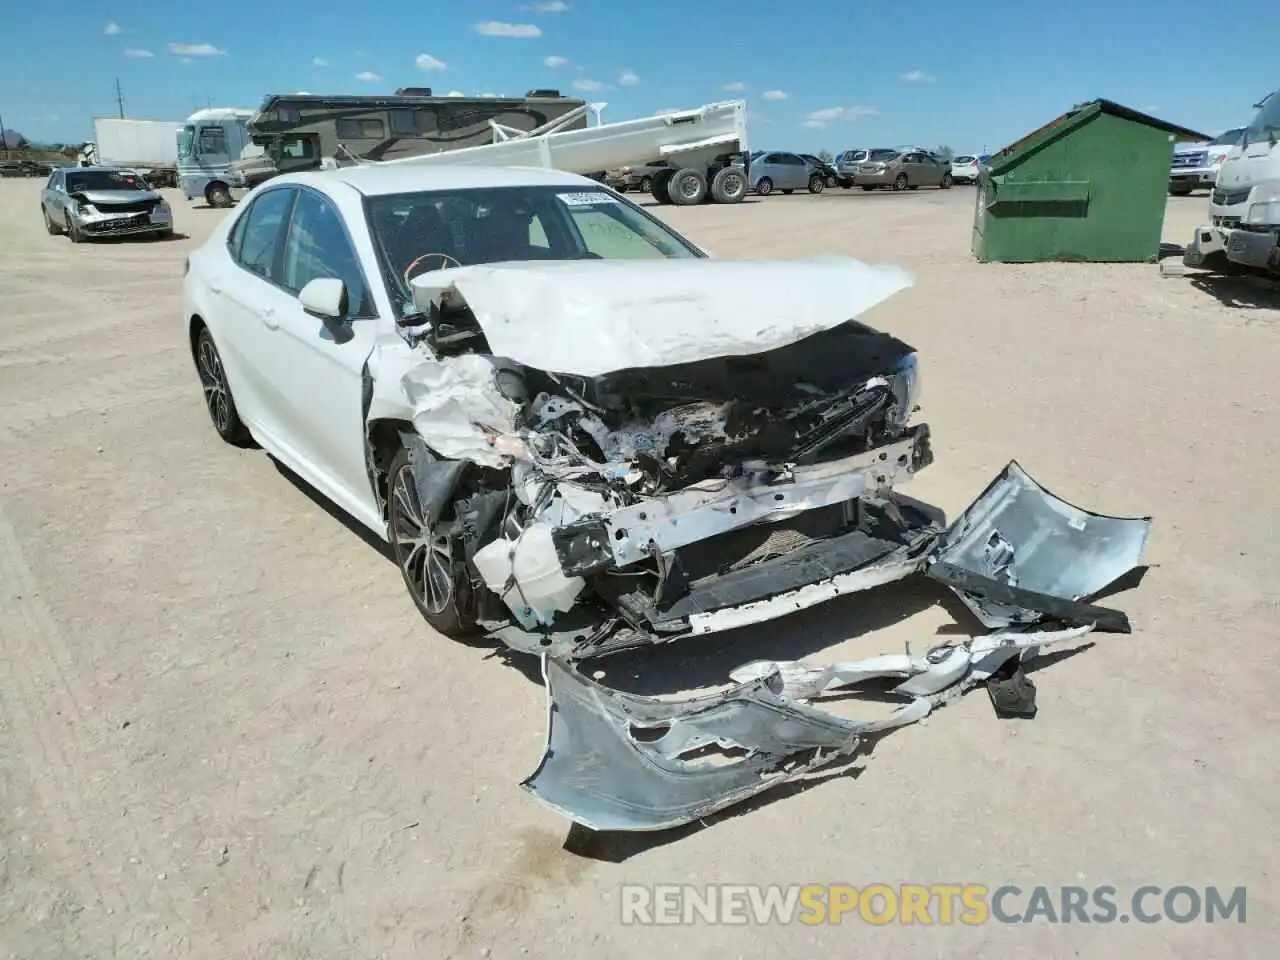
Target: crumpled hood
592,317
109,197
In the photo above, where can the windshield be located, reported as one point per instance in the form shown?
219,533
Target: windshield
103,180
419,232
883,154
965,159
186,142
1266,123
1230,138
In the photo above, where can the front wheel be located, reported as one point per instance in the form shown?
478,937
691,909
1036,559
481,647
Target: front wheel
217,195
646,184
900,182
658,186
687,187
74,233
816,183
764,186
434,575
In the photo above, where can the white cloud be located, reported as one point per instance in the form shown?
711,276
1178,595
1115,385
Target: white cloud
319,62
186,61
774,94
553,61
587,85
497,28
629,79
196,50
916,76
113,29
736,87
368,76
820,118
425,61
455,93
549,6
137,53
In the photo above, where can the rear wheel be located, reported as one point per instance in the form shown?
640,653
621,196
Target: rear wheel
658,186
946,181
816,183
900,182
687,187
764,186
217,390
217,195
729,185
433,572
645,184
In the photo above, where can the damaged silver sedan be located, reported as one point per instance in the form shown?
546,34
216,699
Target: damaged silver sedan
579,434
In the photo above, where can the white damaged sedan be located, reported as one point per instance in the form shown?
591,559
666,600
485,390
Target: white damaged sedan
577,431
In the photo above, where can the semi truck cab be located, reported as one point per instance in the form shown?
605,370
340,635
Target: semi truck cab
1244,208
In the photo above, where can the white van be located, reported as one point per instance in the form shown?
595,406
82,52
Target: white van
1244,208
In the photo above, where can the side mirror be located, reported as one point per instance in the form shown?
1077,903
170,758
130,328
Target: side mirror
326,299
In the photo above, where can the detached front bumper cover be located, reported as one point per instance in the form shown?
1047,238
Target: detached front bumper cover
1023,560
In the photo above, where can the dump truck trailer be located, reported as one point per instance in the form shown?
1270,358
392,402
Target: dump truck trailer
147,146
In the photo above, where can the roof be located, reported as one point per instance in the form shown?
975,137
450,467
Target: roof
376,180
391,101
1081,114
219,113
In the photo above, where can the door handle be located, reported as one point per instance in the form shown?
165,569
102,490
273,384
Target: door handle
270,319
215,289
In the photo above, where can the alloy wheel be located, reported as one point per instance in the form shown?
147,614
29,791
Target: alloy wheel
425,558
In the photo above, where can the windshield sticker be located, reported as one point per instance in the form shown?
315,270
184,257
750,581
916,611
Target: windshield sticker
585,199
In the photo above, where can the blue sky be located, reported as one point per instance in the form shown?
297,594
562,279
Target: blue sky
970,75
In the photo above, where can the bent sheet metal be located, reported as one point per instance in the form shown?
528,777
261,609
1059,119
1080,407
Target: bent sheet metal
1024,560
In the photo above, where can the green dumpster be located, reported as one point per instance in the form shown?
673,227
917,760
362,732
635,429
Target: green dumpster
1090,185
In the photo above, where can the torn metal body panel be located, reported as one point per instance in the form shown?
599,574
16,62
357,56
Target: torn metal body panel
617,761
1019,554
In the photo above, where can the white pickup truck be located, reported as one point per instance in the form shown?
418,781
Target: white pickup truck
1244,208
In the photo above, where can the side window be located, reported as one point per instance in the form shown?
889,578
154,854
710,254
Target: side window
359,129
769,158
296,148
318,246
256,238
403,123
213,141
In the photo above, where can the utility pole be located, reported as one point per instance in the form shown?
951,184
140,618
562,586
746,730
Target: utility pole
4,139
119,98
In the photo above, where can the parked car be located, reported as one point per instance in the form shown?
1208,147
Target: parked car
418,399
633,178
903,171
1196,165
847,166
85,202
964,169
828,170
787,172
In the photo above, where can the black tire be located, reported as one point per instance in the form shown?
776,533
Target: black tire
816,184
645,184
658,186
900,182
433,573
946,182
217,195
687,187
620,187
74,233
217,390
764,186
729,185
49,225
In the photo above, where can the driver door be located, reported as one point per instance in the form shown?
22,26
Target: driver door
320,385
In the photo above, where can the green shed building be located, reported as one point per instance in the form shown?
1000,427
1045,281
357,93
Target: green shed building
1090,185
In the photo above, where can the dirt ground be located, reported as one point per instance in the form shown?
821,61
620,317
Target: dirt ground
226,732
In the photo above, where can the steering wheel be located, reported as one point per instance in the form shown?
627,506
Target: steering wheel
445,261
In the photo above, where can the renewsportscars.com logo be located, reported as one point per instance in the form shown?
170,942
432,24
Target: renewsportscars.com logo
971,904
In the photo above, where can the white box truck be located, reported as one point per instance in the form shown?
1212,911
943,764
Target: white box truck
148,146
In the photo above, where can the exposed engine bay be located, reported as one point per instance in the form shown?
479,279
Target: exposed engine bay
622,454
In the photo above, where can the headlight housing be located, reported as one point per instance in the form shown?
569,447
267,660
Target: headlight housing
1264,205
